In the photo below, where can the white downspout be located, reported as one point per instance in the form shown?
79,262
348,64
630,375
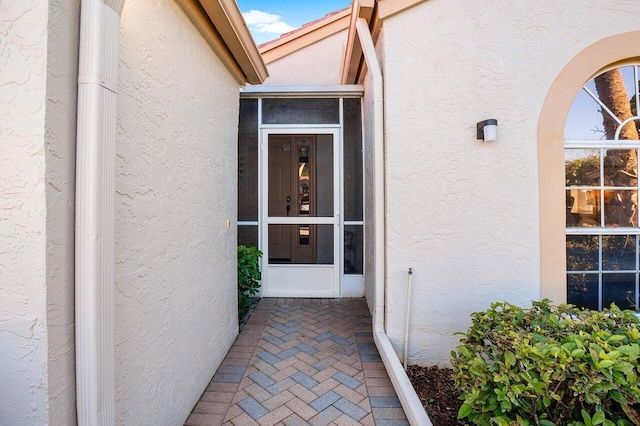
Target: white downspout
95,192
410,402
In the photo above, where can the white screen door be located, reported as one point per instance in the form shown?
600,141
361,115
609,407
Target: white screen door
301,212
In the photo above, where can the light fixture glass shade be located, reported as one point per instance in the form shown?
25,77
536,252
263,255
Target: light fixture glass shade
490,132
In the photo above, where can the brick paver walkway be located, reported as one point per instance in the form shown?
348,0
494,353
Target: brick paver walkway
298,362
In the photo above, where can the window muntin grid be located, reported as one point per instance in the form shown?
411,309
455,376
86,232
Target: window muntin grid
601,184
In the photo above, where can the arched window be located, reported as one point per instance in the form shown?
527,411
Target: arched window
601,142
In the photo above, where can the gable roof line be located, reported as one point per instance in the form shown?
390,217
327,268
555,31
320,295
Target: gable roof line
222,26
306,35
374,12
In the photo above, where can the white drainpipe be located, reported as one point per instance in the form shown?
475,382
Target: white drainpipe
410,402
95,191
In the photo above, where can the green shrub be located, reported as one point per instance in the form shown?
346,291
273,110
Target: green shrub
248,276
549,366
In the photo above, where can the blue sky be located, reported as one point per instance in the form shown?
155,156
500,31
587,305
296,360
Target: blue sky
267,19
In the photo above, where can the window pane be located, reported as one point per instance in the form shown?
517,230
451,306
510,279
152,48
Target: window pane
248,160
301,176
585,119
352,160
301,244
324,175
621,167
300,111
620,208
582,167
619,289
248,235
582,252
353,244
582,290
583,208
619,252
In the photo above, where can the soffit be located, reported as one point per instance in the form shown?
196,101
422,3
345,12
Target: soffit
221,24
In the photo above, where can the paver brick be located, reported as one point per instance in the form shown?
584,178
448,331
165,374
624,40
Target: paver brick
277,400
381,391
305,368
323,375
211,408
345,420
347,380
234,411
304,380
262,379
222,387
325,386
294,420
324,401
377,381
376,373
308,349
200,419
384,402
303,393
350,409
388,414
268,357
349,394
301,408
370,357
244,420
392,423
210,396
328,361
281,386
283,374
302,361
256,392
325,417
253,408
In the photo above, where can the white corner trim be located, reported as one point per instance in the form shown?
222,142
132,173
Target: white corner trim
411,404
95,192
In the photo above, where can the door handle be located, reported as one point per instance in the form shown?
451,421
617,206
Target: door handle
288,209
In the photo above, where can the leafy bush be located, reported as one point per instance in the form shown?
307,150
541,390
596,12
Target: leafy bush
549,366
248,276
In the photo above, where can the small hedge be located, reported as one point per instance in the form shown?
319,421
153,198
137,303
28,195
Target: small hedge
249,277
549,366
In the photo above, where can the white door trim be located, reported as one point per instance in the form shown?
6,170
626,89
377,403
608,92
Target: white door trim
304,272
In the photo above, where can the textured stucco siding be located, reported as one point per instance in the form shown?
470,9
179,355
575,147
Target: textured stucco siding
38,67
462,213
61,107
176,185
316,64
23,320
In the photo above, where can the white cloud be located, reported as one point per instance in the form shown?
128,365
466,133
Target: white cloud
263,22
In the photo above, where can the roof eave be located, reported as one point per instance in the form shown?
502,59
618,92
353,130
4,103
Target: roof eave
221,24
305,36
374,12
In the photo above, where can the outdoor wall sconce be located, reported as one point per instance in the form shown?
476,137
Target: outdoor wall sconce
487,130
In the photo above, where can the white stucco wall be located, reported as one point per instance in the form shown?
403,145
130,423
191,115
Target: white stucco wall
38,64
61,108
23,316
463,213
176,307
316,64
